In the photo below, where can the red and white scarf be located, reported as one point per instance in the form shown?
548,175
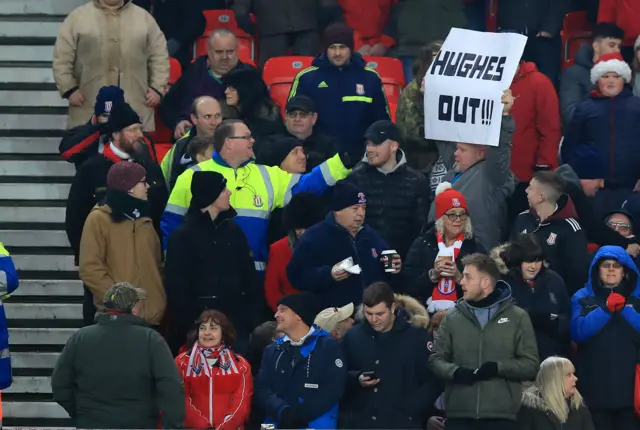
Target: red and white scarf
199,356
444,293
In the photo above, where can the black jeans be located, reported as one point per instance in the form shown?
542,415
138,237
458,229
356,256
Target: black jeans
615,419
545,53
88,308
469,424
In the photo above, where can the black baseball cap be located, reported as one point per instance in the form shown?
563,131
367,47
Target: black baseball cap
382,130
303,103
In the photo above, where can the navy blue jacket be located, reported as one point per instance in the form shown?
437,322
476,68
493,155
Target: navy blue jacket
311,377
548,295
608,342
400,358
325,245
348,99
609,124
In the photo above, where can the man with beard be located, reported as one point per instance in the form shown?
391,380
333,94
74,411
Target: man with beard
483,175
89,185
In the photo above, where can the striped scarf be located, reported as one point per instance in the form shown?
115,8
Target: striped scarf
446,288
198,360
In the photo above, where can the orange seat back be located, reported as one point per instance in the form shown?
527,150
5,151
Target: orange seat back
223,18
391,73
280,72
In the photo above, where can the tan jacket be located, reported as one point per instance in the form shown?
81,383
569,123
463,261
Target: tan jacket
127,251
96,47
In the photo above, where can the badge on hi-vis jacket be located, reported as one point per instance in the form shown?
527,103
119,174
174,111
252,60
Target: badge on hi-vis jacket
360,89
551,240
257,201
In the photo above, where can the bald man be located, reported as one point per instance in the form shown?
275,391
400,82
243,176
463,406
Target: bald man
206,115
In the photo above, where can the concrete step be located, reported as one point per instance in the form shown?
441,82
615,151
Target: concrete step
34,360
24,75
52,238
39,7
44,262
29,145
26,53
36,168
10,121
42,311
33,410
29,29
37,287
34,192
40,336
32,98
28,214
30,384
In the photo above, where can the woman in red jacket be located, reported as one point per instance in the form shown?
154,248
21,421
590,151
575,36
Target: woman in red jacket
217,382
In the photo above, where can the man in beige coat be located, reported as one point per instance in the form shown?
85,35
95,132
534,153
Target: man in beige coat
110,42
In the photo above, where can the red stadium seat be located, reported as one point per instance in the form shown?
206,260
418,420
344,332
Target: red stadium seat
175,71
576,32
392,111
391,74
592,247
161,150
163,135
226,18
492,16
280,72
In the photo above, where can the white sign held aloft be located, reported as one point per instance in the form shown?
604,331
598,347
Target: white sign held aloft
464,84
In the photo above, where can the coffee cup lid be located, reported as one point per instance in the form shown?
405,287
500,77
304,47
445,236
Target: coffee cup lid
389,251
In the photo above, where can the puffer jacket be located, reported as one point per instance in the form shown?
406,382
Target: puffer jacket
400,358
421,153
397,201
96,47
535,415
507,339
575,84
610,125
126,251
537,136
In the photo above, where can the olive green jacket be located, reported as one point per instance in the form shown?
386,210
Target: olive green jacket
507,339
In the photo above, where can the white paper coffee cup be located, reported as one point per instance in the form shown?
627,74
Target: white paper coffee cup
387,259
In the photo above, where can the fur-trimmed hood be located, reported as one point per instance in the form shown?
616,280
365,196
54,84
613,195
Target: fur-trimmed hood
532,399
418,314
496,255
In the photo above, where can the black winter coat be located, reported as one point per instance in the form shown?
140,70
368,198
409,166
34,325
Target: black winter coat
397,202
547,296
209,265
400,357
534,416
89,187
179,20
421,258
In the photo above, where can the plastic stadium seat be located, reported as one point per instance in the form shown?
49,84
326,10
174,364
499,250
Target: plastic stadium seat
280,72
391,74
592,248
392,110
163,135
576,32
226,18
175,71
492,16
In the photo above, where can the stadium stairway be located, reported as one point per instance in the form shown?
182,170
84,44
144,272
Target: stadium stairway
34,184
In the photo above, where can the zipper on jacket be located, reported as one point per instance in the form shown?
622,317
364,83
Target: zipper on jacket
479,364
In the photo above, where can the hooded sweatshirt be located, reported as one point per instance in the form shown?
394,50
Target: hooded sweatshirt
576,83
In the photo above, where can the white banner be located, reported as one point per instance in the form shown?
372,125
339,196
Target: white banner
464,85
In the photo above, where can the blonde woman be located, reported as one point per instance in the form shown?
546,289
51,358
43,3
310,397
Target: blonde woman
553,401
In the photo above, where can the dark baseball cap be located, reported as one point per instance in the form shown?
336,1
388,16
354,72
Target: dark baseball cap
382,130
303,103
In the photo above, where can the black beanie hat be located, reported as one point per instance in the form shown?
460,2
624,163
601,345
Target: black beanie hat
338,33
274,151
206,188
346,194
121,117
303,304
303,211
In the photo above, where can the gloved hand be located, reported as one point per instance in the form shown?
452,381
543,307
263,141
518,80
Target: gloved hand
488,370
615,302
291,418
542,321
464,375
351,157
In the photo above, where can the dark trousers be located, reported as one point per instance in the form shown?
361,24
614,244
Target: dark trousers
301,43
545,53
614,419
88,308
468,424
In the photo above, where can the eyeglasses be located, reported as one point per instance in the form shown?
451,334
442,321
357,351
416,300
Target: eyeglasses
619,225
298,114
611,265
247,137
453,216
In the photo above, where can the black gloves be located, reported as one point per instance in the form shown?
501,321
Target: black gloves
465,376
487,371
291,418
542,321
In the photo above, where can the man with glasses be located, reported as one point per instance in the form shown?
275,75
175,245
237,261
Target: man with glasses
553,220
622,221
256,190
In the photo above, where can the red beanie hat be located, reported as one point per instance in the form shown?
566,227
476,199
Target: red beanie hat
447,198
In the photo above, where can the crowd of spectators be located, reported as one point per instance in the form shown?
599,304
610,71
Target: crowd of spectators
318,265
